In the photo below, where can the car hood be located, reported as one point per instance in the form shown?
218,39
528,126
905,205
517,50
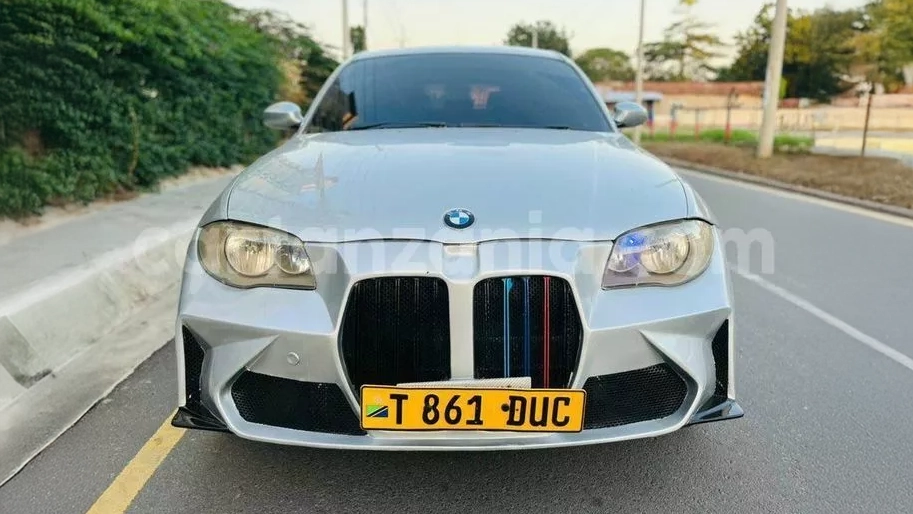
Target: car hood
398,183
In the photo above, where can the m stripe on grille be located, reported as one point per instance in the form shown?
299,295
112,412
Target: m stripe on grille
526,366
508,285
526,326
547,333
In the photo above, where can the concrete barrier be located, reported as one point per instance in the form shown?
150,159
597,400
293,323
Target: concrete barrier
44,327
86,300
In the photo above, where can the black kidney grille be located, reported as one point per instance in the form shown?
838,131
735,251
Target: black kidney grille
526,326
281,402
640,395
193,367
396,330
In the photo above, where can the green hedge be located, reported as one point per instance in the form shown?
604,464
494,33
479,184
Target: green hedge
99,96
738,137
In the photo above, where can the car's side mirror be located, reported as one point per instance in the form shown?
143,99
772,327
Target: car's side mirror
629,114
283,116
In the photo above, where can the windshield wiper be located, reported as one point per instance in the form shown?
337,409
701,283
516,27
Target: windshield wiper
507,125
399,124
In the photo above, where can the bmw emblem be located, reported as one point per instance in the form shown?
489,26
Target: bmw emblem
458,218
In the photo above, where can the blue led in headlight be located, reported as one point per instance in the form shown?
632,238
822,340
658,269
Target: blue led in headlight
666,254
627,251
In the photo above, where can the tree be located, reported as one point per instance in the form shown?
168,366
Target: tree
818,57
99,97
549,36
602,64
357,36
310,59
751,55
818,62
685,52
894,20
880,45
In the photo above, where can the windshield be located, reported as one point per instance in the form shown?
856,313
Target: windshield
459,90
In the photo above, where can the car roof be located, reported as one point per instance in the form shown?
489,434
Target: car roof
426,50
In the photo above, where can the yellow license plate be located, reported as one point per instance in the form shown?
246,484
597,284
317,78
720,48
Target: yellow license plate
520,410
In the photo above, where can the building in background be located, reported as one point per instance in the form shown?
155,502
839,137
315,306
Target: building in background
651,99
692,95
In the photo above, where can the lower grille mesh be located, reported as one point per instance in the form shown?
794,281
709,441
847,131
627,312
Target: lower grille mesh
280,402
633,396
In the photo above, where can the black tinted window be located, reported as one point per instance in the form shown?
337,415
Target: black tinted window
459,90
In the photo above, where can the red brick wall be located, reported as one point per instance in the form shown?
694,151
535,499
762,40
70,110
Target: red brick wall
691,88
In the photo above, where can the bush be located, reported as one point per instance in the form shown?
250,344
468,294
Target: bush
99,96
785,143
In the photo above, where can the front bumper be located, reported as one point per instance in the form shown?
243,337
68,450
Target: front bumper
291,338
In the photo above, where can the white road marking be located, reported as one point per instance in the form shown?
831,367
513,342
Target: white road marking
881,216
830,319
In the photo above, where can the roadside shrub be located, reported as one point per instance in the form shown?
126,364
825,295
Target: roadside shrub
788,143
737,137
783,143
99,96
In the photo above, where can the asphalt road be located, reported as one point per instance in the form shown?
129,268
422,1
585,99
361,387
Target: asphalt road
821,344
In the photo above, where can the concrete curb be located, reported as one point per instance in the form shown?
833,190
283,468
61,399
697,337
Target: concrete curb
776,184
52,406
54,320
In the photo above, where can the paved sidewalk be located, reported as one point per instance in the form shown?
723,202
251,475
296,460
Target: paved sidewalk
85,297
878,144
41,253
66,283
906,158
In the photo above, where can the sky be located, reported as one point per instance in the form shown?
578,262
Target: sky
592,23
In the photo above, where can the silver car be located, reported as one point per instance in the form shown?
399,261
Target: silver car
457,249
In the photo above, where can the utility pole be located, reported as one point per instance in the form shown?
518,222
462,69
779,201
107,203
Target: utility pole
365,22
535,36
868,114
639,76
772,82
345,29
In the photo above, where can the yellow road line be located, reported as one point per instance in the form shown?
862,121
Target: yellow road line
131,480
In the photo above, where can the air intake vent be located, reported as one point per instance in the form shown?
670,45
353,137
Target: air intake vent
720,348
633,396
280,402
193,367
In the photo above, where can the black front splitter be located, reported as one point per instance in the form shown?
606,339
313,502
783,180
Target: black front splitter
728,409
197,417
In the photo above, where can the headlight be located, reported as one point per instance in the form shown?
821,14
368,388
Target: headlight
666,255
243,255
